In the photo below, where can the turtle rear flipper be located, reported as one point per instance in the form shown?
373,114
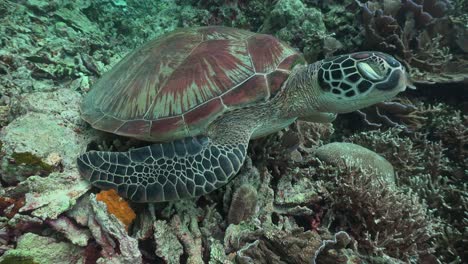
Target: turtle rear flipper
175,170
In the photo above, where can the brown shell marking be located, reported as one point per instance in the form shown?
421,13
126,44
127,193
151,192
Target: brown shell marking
212,68
253,90
177,85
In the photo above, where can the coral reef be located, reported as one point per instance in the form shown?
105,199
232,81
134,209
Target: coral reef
394,192
431,162
297,24
382,220
420,33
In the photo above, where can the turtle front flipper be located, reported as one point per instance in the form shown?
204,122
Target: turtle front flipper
175,170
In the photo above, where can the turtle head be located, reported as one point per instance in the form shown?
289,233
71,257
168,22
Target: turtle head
353,81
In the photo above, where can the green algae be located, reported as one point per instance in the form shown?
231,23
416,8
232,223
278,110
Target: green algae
20,165
32,248
32,160
13,259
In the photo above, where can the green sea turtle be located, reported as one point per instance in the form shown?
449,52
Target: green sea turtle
203,93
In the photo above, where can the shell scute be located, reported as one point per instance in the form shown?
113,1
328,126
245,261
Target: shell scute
108,123
129,89
167,128
212,68
289,62
135,127
254,89
267,52
224,33
276,80
203,115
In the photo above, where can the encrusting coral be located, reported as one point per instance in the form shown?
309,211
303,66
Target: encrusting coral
117,206
347,155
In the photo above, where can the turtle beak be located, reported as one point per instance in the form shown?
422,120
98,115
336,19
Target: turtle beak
406,81
409,83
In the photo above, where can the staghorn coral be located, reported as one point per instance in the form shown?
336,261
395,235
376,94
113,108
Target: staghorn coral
429,169
360,202
188,232
383,220
397,113
451,127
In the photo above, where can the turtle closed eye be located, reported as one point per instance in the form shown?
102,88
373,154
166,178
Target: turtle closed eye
370,72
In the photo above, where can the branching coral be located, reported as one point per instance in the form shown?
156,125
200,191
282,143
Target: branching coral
382,219
168,246
271,244
431,169
349,155
398,113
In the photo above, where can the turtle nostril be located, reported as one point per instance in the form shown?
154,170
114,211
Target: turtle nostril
369,72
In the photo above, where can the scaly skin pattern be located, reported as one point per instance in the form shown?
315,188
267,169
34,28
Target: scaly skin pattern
163,172
192,166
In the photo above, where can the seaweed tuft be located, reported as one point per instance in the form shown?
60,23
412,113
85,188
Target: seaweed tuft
34,162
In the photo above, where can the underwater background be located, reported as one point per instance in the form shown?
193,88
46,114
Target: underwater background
293,201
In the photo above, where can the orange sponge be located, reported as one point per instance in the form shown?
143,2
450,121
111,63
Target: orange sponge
117,206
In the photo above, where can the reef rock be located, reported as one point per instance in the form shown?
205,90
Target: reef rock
32,248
